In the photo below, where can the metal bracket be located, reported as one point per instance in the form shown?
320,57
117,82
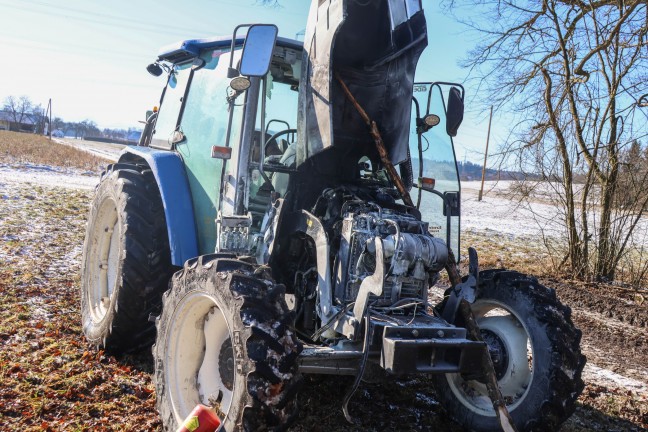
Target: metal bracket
371,284
453,204
466,290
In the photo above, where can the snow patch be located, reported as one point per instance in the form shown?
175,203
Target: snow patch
47,176
599,375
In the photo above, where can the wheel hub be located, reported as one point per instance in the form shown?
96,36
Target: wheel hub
497,352
226,364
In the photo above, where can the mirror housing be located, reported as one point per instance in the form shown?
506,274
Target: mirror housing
455,111
154,69
258,48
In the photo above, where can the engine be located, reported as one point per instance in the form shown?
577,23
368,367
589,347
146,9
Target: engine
411,255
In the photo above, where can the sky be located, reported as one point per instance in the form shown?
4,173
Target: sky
90,56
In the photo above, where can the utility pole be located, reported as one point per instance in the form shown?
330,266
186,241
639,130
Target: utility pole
50,119
481,191
49,125
48,112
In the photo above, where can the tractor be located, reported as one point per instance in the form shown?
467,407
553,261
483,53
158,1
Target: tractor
287,211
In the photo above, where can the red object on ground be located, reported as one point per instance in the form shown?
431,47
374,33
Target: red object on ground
201,419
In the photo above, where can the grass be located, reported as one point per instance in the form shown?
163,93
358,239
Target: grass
50,378
21,148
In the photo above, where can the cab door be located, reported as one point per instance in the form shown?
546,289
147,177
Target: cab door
204,124
438,192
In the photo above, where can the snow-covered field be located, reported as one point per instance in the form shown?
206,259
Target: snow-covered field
494,214
504,216
47,176
106,150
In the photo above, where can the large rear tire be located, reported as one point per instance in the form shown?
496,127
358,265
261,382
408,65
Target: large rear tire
224,340
535,350
126,262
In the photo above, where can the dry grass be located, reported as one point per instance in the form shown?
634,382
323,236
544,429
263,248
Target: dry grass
497,250
51,379
35,149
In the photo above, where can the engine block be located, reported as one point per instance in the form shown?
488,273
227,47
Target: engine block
412,256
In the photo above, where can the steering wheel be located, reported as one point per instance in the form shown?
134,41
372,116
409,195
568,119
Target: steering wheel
274,137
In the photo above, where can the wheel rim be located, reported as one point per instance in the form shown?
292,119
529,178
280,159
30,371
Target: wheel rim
104,268
199,361
507,337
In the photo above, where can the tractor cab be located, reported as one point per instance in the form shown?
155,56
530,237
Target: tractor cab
227,127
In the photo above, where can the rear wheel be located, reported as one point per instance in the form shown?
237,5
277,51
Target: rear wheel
536,354
126,259
224,340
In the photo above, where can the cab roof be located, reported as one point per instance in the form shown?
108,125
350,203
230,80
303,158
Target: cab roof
180,52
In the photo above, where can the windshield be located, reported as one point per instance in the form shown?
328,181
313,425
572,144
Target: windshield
435,159
167,120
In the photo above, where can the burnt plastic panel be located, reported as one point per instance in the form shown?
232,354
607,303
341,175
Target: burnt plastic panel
374,47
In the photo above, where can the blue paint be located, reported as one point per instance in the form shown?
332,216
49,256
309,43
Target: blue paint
191,48
171,178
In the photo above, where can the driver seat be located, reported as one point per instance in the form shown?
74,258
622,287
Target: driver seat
280,180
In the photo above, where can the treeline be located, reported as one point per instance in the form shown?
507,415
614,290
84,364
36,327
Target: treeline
20,114
472,171
469,171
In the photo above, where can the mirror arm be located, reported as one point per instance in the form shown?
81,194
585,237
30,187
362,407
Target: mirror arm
262,139
232,72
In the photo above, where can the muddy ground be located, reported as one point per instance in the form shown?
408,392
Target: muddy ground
51,379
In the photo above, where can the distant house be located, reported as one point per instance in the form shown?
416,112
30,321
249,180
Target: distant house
28,124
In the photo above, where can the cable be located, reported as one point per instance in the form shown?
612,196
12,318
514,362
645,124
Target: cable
363,363
332,322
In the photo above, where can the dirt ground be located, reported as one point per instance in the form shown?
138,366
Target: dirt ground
52,380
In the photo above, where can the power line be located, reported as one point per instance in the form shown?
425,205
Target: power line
102,22
106,16
44,46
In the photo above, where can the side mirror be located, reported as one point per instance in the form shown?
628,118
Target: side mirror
154,69
258,48
455,111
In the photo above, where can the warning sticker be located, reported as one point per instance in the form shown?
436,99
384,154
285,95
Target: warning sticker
192,424
434,229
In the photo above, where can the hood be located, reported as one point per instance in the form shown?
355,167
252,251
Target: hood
374,47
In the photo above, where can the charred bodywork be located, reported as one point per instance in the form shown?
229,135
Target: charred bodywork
362,253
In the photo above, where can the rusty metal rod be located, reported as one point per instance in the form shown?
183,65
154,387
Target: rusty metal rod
380,144
492,387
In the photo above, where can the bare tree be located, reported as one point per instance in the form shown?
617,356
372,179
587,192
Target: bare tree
571,72
18,108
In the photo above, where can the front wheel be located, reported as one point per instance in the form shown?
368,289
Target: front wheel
224,340
536,355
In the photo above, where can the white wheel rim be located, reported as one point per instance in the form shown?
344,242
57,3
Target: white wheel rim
516,381
195,338
103,265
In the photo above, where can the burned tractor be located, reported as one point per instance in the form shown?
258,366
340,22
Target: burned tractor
287,212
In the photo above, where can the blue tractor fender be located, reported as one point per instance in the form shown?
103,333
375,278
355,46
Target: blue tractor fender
172,181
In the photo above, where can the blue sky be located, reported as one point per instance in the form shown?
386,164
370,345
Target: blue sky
90,56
